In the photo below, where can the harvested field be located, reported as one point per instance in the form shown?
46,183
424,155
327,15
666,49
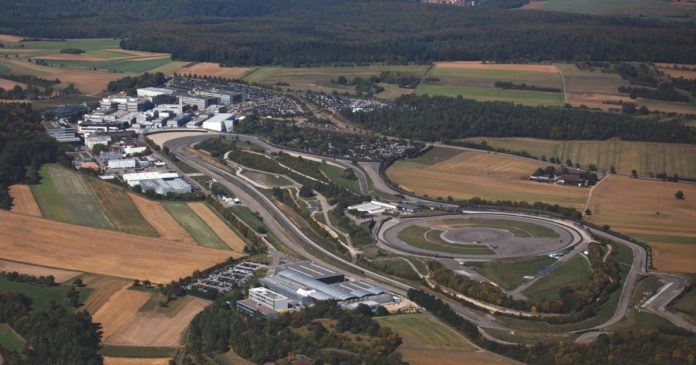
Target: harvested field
161,138
89,82
104,287
9,84
49,243
23,201
196,227
63,195
154,328
108,360
78,57
220,228
10,38
497,66
119,310
645,157
671,70
214,69
648,210
120,209
491,176
58,274
158,217
428,341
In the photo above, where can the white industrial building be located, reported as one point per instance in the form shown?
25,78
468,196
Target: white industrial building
126,163
92,140
151,92
223,122
131,150
373,207
134,179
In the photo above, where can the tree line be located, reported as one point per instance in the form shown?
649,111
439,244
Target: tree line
442,118
630,347
130,84
343,32
24,147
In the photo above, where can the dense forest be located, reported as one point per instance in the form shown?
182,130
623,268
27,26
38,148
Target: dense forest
441,118
311,32
55,336
131,84
24,146
323,332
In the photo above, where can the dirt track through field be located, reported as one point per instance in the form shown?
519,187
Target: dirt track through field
119,310
23,201
59,275
221,229
151,328
55,244
158,217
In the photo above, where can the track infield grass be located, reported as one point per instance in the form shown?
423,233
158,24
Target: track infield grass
9,339
575,272
416,236
511,274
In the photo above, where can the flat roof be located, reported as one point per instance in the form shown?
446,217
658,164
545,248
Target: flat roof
310,269
149,175
254,305
267,293
219,118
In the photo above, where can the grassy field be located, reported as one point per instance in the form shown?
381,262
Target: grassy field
54,244
219,226
475,80
645,288
64,195
509,274
194,225
428,341
9,339
266,179
333,173
468,174
248,217
214,69
396,267
641,8
40,295
319,78
517,228
119,208
109,360
686,304
416,236
574,272
645,157
120,66
648,210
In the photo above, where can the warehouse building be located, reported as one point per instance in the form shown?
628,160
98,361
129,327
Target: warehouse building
373,207
222,122
134,179
61,132
164,187
316,272
124,163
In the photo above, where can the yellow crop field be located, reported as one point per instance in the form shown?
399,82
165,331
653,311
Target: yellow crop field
491,176
102,251
23,201
649,211
645,157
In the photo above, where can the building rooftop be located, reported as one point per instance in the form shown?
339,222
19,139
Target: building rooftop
149,176
310,269
267,293
333,292
250,303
